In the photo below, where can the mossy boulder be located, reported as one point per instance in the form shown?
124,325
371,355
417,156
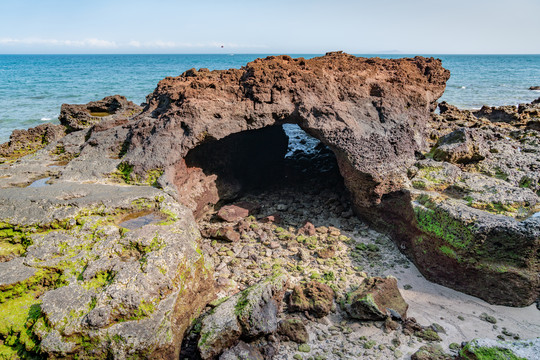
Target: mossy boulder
293,330
484,349
376,299
250,314
313,297
431,352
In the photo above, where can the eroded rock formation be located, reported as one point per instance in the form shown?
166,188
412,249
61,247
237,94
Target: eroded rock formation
371,112
458,201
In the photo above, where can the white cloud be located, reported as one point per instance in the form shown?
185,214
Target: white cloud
94,43
133,44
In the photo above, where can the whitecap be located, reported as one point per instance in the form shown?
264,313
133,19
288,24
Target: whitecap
45,119
463,87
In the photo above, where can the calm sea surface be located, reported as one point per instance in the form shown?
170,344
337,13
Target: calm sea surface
32,87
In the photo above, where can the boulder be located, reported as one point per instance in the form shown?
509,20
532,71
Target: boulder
236,212
431,352
376,299
24,142
314,297
461,146
116,109
372,113
293,330
249,314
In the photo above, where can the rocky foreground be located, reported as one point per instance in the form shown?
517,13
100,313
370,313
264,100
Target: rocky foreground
187,228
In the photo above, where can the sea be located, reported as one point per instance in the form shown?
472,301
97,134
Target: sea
33,87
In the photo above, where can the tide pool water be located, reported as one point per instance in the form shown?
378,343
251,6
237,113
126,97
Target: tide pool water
32,87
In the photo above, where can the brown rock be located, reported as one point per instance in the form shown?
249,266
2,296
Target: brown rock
308,229
376,299
274,218
226,233
24,142
238,211
327,253
313,297
373,112
111,108
293,330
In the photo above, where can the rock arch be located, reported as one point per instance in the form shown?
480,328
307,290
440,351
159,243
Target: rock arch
372,113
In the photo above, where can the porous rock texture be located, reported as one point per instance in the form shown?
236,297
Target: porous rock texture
371,112
374,114
110,111
93,266
470,219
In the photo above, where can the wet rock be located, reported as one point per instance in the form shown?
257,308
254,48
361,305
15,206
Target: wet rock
375,298
534,88
431,352
314,297
293,330
460,147
110,108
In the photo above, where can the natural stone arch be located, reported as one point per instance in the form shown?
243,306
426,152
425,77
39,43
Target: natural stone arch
372,113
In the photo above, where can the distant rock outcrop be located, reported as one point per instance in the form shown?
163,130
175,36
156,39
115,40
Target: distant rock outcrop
110,108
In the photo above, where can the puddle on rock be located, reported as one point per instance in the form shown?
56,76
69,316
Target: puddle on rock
139,219
40,183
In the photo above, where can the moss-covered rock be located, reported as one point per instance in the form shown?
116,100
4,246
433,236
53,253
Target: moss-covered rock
376,299
313,297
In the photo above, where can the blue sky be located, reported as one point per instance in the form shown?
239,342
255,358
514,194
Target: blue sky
277,26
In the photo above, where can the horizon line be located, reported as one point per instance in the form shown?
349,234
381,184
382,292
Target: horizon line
271,53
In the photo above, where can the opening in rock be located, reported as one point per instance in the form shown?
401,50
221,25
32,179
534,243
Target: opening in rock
277,159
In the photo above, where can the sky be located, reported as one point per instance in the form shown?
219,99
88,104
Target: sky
277,26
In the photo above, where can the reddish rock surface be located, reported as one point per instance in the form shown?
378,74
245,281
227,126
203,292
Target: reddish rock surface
24,142
235,212
371,112
115,109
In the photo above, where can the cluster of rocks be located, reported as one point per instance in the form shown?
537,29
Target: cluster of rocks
475,196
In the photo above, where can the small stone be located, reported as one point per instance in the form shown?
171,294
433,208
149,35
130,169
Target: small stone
282,207
488,318
437,328
407,287
308,229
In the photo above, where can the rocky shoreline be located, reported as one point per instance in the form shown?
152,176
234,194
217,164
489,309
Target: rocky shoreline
186,228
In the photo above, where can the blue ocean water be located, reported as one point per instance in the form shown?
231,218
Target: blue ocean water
32,87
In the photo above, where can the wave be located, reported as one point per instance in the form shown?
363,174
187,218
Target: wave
45,119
